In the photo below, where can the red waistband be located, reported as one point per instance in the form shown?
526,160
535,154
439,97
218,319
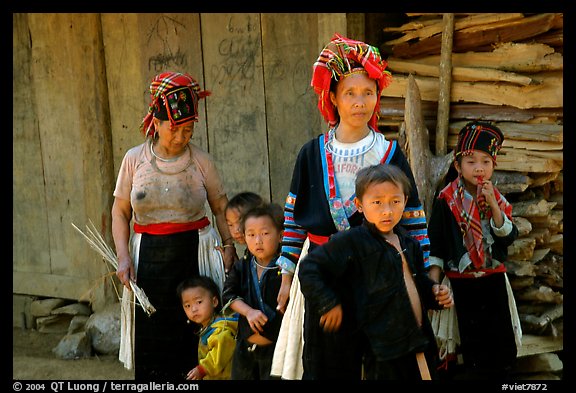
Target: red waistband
167,228
318,239
474,273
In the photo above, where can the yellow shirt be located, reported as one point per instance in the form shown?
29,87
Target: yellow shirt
216,348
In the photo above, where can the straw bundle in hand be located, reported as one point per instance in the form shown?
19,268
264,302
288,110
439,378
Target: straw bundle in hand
97,243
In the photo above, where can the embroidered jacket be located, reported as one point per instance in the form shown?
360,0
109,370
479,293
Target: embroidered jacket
313,198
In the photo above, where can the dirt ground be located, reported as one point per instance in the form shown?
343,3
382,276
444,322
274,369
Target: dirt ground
33,359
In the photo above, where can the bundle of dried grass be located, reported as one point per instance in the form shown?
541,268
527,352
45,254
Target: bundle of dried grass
97,242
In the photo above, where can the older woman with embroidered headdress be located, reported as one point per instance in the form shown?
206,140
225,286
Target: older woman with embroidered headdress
163,185
348,77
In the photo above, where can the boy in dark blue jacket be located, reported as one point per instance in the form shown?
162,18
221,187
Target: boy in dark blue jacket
370,287
252,290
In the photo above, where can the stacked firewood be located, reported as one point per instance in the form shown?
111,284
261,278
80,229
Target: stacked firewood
506,69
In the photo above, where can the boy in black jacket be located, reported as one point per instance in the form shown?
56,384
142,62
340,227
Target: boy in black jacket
370,286
252,290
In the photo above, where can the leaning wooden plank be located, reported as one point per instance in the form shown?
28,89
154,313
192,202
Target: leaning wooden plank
466,41
548,94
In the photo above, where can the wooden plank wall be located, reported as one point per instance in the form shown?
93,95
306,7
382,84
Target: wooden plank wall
81,91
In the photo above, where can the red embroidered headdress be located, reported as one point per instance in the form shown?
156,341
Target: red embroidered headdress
343,56
173,96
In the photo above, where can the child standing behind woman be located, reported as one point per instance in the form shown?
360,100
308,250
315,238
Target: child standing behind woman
200,298
237,206
371,289
252,289
470,230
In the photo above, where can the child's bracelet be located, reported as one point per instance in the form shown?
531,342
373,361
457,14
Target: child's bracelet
227,245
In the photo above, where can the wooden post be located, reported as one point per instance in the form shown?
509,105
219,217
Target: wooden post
445,84
427,168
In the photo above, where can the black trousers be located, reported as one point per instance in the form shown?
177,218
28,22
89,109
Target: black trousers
252,362
487,337
166,346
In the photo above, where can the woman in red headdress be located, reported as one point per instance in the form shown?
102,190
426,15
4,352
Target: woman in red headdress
348,77
162,187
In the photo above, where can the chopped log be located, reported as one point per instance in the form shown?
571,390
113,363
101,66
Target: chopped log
537,324
520,268
533,345
541,235
553,221
539,179
391,107
558,184
532,208
542,294
508,182
539,254
524,132
548,94
556,243
547,159
522,249
412,25
520,283
527,163
550,271
544,149
467,74
474,37
557,197
462,23
514,57
523,224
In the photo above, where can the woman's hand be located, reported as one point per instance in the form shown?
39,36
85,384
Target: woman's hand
229,256
125,271
284,292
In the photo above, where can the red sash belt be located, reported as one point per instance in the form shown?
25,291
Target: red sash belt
318,239
474,273
167,228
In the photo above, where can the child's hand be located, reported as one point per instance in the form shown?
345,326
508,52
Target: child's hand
194,374
332,319
488,192
257,319
443,295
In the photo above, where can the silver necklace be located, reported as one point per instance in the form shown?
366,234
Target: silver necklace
172,159
328,146
264,267
155,166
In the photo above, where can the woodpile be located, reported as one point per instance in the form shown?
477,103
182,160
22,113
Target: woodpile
506,69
